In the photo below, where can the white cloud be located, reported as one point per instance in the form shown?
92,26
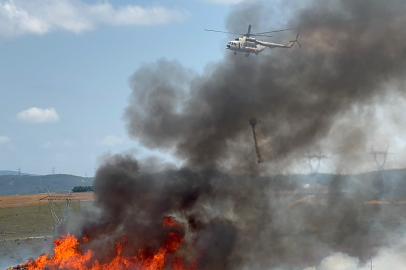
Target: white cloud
22,17
111,141
4,139
38,116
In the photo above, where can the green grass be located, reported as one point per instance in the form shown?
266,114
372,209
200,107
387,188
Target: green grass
28,230
30,221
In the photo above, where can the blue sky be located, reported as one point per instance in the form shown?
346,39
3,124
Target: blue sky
64,73
65,66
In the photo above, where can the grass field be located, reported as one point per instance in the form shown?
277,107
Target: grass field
26,226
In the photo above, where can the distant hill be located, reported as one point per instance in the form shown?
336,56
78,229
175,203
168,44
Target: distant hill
13,173
389,182
29,184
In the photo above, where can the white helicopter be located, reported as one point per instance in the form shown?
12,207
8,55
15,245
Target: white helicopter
247,44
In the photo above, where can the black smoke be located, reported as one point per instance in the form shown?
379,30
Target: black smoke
237,221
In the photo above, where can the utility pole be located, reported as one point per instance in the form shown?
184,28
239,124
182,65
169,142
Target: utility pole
371,265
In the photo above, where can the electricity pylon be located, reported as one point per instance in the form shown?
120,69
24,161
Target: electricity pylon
52,199
314,170
381,165
384,154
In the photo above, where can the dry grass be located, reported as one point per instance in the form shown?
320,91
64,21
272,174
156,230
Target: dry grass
33,199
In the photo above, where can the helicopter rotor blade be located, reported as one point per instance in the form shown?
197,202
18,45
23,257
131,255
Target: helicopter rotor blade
275,31
255,35
222,32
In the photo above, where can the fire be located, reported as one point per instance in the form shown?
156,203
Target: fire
68,256
376,202
169,221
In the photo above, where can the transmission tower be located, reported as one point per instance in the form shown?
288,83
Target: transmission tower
314,169
384,154
53,170
52,200
381,165
19,171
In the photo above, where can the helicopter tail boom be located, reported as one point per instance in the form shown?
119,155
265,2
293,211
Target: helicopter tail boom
276,45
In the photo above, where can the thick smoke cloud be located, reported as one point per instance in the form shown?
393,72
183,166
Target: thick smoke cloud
240,222
351,51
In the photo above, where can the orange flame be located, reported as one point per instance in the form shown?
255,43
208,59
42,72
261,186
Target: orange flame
67,255
169,221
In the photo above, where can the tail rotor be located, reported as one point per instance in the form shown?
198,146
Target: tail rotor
296,41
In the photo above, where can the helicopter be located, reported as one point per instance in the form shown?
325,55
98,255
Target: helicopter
248,44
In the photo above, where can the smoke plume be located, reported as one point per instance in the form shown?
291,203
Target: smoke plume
350,51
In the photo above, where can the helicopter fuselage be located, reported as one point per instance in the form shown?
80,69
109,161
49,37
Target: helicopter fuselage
242,45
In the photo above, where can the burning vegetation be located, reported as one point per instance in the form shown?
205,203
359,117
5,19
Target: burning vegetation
67,255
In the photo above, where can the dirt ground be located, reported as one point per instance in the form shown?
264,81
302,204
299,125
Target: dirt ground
34,199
